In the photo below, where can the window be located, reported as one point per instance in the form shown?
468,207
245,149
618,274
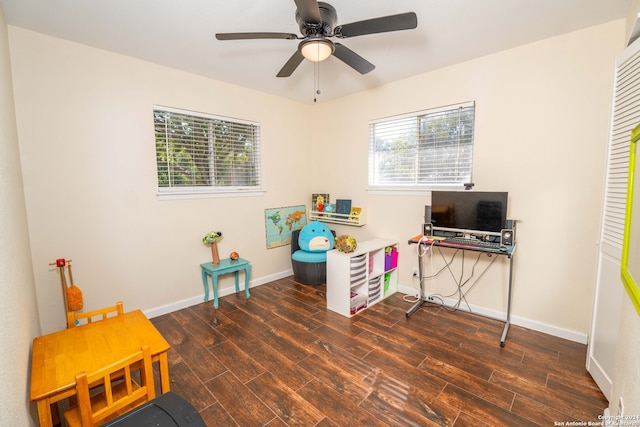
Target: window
202,154
424,150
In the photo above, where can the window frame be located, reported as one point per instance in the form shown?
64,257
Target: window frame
416,189
210,191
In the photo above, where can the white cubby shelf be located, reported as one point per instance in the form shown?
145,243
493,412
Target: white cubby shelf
362,278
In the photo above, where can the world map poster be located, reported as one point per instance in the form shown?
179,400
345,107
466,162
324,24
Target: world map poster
280,222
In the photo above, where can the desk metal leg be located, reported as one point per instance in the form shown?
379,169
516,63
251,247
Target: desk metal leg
421,299
508,322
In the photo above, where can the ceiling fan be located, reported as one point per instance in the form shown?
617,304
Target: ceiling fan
317,22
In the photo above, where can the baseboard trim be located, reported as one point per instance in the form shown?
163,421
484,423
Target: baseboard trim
188,302
600,376
515,320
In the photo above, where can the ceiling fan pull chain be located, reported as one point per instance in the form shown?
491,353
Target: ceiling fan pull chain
316,80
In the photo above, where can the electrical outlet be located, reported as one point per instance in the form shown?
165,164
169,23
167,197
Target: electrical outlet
430,298
415,272
620,407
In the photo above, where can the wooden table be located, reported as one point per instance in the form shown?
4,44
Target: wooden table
57,357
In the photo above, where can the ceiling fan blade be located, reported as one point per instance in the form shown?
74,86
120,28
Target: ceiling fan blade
291,64
403,21
251,36
352,59
309,11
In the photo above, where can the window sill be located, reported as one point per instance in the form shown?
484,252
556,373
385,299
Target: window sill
411,191
186,195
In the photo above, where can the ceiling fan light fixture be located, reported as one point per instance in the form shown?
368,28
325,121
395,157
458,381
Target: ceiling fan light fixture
316,49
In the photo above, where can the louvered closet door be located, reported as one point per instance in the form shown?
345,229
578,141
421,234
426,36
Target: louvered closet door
609,289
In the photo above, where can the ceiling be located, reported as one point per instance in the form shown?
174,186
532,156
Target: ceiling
180,34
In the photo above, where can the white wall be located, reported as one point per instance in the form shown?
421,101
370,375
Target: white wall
542,122
85,127
18,308
86,141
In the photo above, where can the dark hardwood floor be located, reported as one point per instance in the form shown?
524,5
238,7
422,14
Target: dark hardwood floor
280,358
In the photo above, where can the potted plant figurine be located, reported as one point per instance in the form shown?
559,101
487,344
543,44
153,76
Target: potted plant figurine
211,239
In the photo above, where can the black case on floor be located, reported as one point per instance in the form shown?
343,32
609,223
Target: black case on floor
166,410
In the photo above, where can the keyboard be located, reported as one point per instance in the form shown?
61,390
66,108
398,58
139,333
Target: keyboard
475,243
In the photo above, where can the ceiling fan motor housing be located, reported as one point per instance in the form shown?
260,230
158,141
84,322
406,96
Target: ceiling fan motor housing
328,19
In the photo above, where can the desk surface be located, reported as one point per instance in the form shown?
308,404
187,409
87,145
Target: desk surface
57,357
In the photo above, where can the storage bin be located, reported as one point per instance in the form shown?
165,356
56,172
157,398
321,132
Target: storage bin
390,260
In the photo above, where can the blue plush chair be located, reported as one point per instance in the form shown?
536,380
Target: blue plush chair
309,248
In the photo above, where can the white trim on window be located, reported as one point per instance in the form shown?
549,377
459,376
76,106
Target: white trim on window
426,150
201,155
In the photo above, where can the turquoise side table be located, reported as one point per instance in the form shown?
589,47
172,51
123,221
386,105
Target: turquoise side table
226,266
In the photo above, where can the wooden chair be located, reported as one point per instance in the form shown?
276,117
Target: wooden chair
119,395
76,319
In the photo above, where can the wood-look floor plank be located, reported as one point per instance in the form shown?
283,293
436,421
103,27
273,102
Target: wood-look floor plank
281,367
295,317
248,322
282,358
466,363
340,411
215,415
244,406
198,328
243,366
370,341
185,383
480,409
538,412
286,343
346,342
402,404
290,407
387,332
490,392
336,377
200,360
406,373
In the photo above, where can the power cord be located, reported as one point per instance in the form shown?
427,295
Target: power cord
424,247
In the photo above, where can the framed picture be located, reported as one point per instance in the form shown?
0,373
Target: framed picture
280,222
343,208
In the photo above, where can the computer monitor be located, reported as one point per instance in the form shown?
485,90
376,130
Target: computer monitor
482,211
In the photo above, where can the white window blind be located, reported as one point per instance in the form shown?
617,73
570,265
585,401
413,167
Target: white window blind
426,149
201,153
626,115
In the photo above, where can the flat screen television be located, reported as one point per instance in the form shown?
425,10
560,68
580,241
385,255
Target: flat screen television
484,211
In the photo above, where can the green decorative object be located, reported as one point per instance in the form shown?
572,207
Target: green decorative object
212,237
345,243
